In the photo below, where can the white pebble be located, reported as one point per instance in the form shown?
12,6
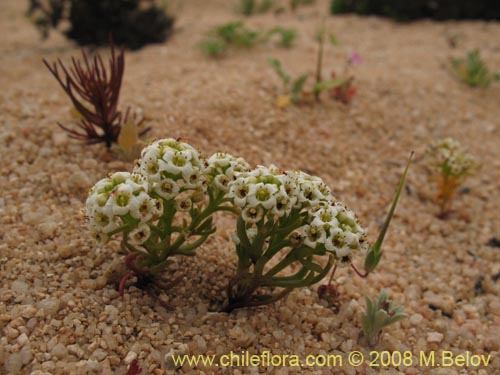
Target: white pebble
99,354
23,339
130,357
19,286
13,363
59,351
416,319
434,337
49,305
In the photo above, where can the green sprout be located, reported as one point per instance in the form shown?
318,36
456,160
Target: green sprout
249,7
321,84
287,36
375,253
473,71
380,313
236,34
294,88
213,47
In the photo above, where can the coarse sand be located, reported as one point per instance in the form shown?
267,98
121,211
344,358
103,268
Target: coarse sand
60,312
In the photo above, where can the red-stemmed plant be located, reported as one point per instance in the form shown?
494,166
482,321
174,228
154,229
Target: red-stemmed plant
94,92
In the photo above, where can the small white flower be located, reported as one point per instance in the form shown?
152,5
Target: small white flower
121,199
252,214
283,205
262,194
313,235
142,207
139,235
183,205
239,191
100,236
166,188
194,180
222,182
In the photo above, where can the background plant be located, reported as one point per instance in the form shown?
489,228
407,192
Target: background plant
132,23
473,71
295,90
164,208
287,37
339,84
250,7
293,87
236,34
94,92
380,313
452,165
294,4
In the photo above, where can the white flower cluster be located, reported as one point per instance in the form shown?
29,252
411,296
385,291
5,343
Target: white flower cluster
449,155
223,168
117,199
265,192
312,190
337,229
172,167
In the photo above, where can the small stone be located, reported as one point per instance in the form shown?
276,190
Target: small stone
93,366
59,138
59,351
48,229
434,337
130,357
23,339
14,363
26,355
49,305
416,319
79,180
99,354
19,287
37,217
76,351
28,312
443,302
200,343
111,311
11,333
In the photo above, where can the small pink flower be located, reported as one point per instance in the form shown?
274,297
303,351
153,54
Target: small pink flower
355,58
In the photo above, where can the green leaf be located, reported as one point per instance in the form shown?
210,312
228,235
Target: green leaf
242,233
395,319
312,266
374,255
297,88
329,84
276,65
333,39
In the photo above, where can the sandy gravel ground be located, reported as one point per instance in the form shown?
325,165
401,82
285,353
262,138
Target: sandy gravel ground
60,312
